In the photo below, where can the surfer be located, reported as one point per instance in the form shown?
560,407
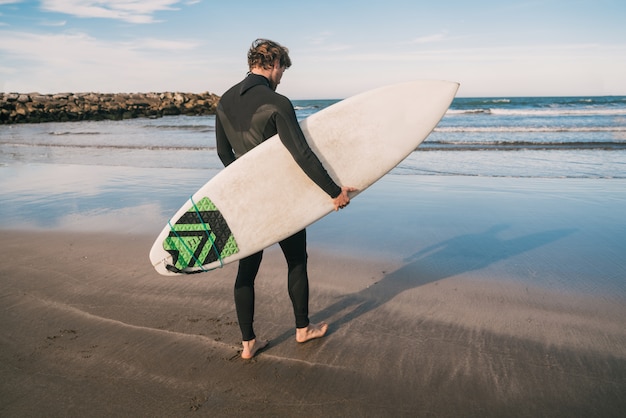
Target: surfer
249,113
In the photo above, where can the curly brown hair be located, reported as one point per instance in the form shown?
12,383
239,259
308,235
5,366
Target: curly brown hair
263,53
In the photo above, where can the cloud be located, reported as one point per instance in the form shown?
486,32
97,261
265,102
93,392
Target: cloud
321,41
132,11
162,45
57,23
319,38
430,38
79,62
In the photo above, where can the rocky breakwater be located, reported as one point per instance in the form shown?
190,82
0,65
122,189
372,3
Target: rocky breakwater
66,107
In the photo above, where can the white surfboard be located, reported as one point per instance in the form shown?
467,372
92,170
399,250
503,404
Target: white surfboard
264,196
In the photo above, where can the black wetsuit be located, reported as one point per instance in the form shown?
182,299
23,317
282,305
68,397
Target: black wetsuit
249,113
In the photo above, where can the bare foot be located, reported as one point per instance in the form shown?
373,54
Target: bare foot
312,331
252,347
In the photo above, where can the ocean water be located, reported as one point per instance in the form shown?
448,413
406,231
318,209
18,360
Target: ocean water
77,167
561,137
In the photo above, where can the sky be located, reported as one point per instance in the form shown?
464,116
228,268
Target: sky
338,48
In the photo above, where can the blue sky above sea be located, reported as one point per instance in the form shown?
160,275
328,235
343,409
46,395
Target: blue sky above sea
493,48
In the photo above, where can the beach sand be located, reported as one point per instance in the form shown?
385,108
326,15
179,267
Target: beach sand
470,297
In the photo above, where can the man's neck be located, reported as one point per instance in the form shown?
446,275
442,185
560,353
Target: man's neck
261,71
267,73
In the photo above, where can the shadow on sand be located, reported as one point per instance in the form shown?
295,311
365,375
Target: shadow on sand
455,256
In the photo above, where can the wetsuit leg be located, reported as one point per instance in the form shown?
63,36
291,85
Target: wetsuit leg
244,293
294,249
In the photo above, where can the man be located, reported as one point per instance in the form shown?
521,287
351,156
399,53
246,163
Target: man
249,113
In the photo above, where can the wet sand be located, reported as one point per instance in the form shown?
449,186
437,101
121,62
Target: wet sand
494,301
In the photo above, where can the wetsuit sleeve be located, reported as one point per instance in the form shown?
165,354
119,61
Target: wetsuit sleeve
224,149
292,137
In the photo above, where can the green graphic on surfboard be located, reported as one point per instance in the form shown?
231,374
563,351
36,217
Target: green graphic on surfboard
201,236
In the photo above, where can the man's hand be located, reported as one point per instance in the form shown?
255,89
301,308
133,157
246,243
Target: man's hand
343,199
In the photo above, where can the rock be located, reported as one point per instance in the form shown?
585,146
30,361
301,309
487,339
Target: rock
62,107
20,109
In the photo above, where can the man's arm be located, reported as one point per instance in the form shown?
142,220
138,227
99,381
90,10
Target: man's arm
224,149
292,137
